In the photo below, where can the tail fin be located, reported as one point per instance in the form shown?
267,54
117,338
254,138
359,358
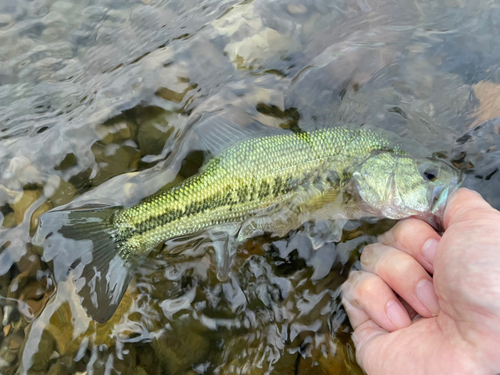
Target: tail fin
95,254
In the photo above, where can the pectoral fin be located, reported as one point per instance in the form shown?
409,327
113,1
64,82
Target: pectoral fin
320,201
325,231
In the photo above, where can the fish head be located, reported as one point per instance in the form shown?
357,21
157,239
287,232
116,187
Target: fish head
398,186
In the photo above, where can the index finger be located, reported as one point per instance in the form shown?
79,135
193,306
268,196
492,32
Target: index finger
467,205
414,237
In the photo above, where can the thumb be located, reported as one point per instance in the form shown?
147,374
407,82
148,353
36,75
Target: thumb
467,205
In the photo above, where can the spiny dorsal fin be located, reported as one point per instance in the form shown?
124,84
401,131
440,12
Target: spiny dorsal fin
216,134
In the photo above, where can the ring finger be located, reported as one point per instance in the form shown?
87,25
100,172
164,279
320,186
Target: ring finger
367,297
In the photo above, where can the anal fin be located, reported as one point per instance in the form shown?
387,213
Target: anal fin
225,242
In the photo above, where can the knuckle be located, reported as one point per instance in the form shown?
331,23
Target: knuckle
374,255
355,276
410,230
402,264
369,286
367,255
348,285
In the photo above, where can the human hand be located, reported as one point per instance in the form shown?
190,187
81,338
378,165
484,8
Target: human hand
445,324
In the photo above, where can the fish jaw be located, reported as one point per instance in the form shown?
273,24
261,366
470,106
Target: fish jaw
440,198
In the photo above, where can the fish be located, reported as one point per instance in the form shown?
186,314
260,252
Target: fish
256,180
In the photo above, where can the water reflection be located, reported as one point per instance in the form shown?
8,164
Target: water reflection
94,97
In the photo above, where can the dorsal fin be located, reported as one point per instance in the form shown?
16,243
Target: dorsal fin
216,134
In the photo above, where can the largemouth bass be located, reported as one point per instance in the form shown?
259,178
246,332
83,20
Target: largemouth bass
269,180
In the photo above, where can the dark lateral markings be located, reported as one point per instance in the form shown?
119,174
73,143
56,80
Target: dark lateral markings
230,197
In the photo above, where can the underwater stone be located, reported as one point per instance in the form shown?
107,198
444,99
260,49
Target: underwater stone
296,8
113,159
179,351
116,130
21,206
6,21
41,359
256,50
153,134
9,350
63,194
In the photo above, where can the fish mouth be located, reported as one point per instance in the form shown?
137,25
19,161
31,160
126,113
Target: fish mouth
439,199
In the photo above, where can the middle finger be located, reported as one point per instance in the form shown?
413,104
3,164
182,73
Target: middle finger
416,238
404,275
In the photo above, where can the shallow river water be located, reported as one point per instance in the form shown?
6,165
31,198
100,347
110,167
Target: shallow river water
94,98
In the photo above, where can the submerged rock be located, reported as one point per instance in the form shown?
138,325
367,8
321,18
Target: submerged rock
154,132
181,349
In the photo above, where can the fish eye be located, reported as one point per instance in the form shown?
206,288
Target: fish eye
428,170
430,174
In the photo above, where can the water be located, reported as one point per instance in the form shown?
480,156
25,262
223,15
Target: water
91,91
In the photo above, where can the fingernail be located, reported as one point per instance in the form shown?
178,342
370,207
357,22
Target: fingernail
429,250
387,238
397,315
427,295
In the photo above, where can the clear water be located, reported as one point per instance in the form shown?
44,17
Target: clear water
92,90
